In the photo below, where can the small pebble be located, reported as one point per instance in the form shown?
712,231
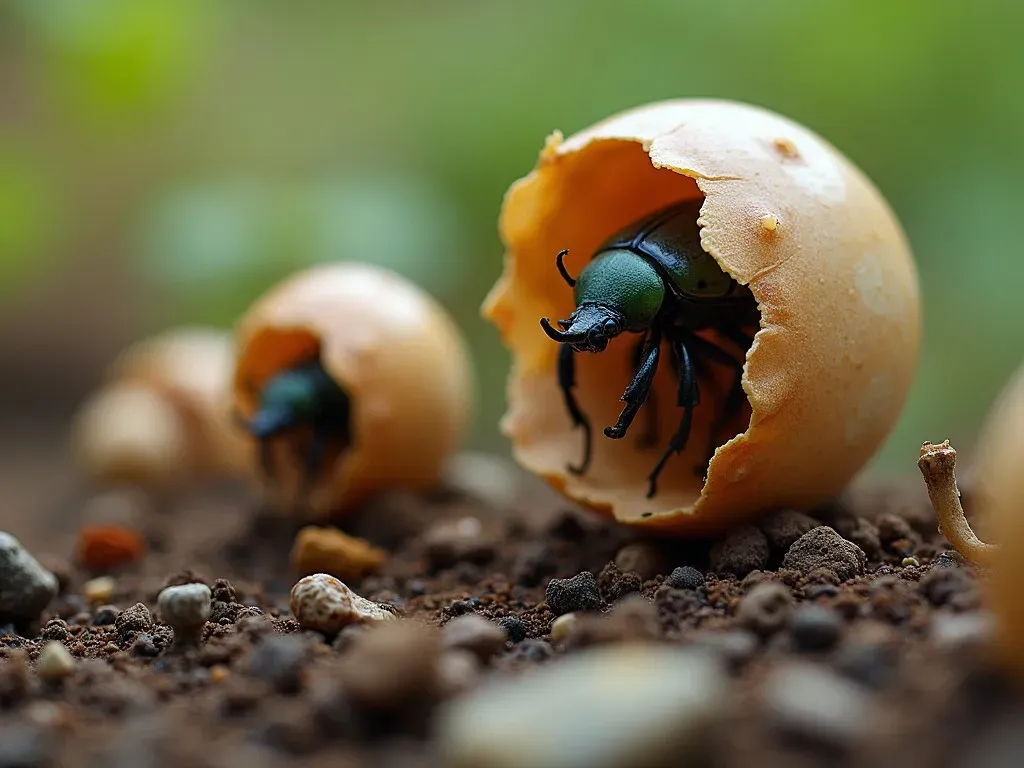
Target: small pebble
105,616
641,557
812,703
579,593
99,590
54,662
279,661
766,608
822,547
514,628
608,707
815,628
219,673
910,562
105,547
325,604
131,621
144,647
186,608
328,550
744,550
563,626
475,634
26,588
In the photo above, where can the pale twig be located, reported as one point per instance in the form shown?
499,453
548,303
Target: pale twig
938,466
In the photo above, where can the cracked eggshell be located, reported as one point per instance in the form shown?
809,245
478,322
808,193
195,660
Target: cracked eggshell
784,213
391,347
163,414
998,497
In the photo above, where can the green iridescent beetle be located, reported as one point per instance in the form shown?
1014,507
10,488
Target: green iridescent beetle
654,279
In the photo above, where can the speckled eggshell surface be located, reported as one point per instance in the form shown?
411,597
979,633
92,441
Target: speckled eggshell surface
998,496
391,347
784,213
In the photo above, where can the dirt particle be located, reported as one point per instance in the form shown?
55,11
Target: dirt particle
823,547
279,661
56,629
614,584
765,610
815,628
514,628
685,577
785,527
132,621
742,551
941,585
861,532
105,616
145,647
475,634
579,593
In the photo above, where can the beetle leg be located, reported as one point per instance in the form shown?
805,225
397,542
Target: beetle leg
315,452
687,398
649,437
734,398
639,388
567,380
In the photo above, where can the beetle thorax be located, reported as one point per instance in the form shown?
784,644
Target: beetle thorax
624,282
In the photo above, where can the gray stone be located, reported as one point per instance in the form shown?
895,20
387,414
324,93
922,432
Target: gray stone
816,704
628,706
26,588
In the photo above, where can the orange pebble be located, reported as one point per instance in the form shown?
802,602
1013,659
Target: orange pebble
328,550
103,547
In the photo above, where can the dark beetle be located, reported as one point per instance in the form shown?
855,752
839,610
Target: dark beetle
654,279
301,397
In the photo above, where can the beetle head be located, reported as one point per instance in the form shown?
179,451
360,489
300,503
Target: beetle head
588,329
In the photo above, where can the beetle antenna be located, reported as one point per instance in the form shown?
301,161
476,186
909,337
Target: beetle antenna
561,268
557,335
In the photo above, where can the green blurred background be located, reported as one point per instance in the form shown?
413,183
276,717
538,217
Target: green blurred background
164,161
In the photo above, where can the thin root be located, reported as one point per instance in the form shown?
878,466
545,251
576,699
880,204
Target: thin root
938,466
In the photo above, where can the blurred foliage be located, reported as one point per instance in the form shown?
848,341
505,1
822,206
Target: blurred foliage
211,147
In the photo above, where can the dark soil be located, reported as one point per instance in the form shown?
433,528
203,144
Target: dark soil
258,691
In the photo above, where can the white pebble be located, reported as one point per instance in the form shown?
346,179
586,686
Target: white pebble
186,607
816,703
607,707
563,626
54,662
326,604
99,590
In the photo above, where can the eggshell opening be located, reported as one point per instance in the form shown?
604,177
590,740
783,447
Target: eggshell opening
394,351
783,213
